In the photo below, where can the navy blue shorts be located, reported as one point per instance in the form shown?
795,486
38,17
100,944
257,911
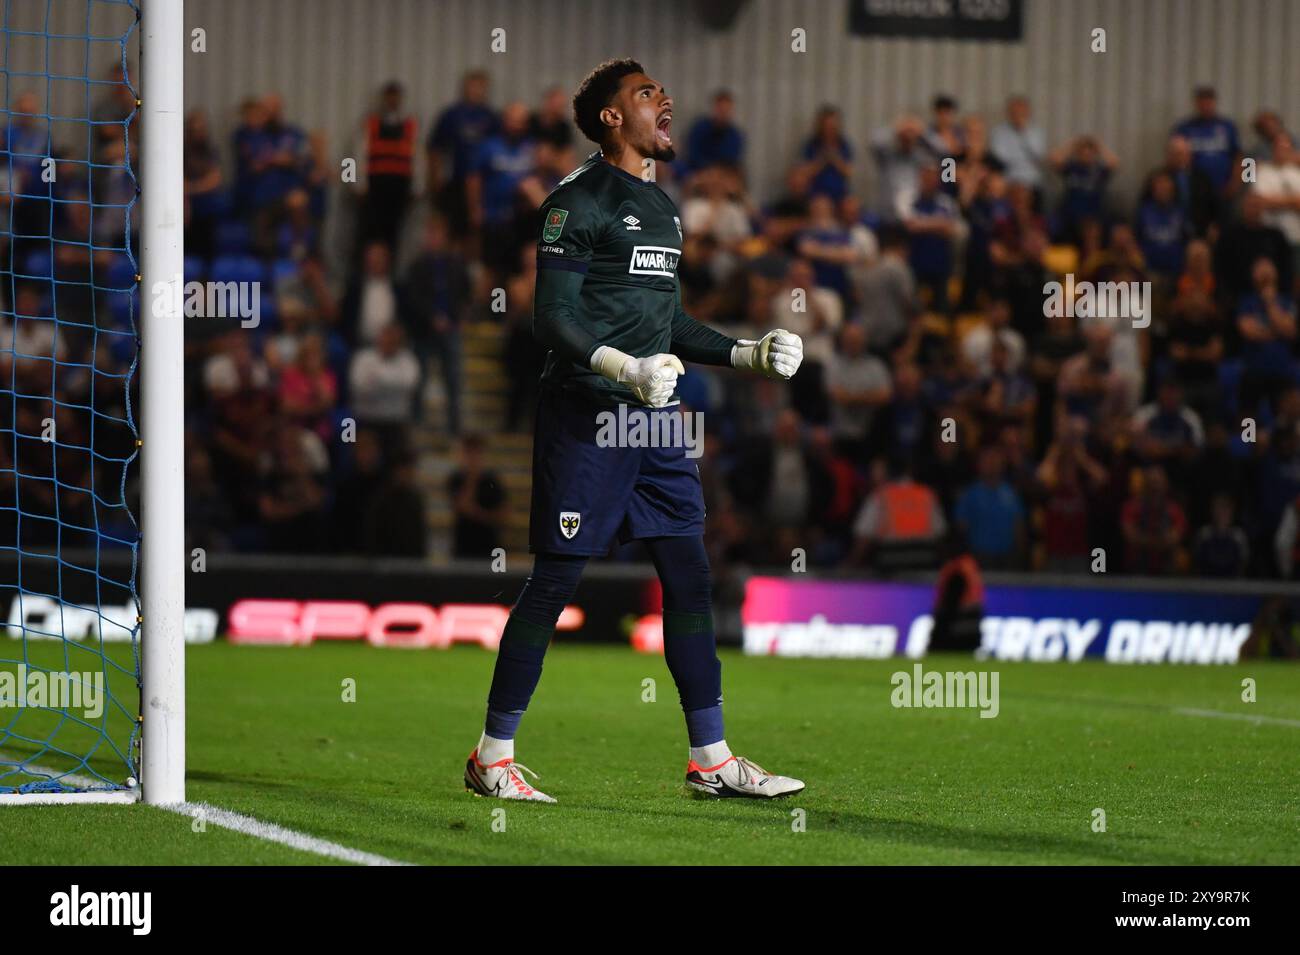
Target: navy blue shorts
586,496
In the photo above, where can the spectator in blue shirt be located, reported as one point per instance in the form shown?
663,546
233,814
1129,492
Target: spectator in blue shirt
992,515
26,145
1196,194
827,243
298,235
933,220
249,141
1007,396
945,138
452,147
205,192
1169,433
1276,483
828,156
1163,229
989,215
1221,548
715,140
435,295
1085,166
501,164
1216,150
1266,322
283,156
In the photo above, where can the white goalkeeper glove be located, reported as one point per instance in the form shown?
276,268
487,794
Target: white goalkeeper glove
652,380
777,354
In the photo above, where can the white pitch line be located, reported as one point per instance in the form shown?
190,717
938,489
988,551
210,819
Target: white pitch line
1275,720
273,833
124,797
223,818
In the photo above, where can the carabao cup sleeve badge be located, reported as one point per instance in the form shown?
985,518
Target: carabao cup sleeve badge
554,224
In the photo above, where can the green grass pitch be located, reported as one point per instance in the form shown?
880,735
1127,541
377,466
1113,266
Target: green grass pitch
270,736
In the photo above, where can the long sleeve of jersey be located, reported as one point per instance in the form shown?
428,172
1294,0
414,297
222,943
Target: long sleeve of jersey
607,261
554,315
693,341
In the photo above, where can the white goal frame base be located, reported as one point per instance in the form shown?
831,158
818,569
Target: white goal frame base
121,797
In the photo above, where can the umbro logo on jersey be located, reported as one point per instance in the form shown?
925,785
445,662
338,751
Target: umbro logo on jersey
633,223
654,260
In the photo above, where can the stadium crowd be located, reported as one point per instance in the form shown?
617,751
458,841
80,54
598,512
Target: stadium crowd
942,397
939,394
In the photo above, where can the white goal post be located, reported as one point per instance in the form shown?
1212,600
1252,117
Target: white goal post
36,765
162,401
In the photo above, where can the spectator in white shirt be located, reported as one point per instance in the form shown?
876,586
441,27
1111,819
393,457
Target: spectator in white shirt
859,384
887,293
233,367
900,151
1277,183
977,344
384,380
717,209
1019,145
376,302
861,238
815,315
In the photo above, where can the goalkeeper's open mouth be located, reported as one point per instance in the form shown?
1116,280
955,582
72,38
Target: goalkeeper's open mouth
663,130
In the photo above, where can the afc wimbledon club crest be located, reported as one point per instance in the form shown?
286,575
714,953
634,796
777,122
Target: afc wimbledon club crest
554,224
569,521
678,222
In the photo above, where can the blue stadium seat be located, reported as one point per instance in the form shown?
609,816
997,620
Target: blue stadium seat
283,269
120,274
119,308
38,265
196,269
237,268
121,347
233,238
1229,382
268,314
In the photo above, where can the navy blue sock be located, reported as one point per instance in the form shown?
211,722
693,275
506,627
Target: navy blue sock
527,634
704,727
515,677
690,646
502,724
690,651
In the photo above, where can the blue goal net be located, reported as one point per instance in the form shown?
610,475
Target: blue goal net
69,296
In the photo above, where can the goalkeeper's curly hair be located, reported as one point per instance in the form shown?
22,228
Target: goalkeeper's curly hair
594,94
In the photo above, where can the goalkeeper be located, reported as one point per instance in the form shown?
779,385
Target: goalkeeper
608,304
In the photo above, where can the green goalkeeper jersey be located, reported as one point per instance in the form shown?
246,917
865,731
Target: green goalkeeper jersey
607,275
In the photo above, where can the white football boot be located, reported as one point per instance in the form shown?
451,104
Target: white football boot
501,780
737,776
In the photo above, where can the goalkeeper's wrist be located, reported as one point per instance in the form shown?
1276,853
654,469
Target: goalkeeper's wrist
609,362
744,354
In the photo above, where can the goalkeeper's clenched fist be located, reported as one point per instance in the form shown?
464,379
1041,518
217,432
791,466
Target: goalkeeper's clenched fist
652,380
777,354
